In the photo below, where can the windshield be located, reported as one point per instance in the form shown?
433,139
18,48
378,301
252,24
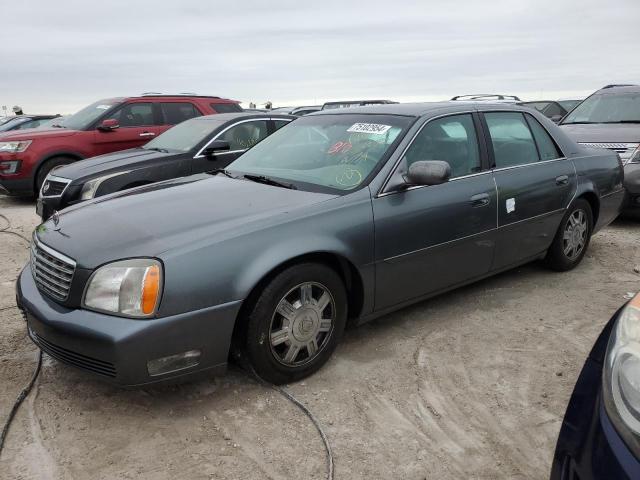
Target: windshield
85,117
568,105
607,108
10,122
325,152
184,136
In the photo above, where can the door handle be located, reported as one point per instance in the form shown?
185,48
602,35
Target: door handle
480,200
562,180
147,134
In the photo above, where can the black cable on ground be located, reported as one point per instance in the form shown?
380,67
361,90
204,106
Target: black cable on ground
19,400
25,391
308,413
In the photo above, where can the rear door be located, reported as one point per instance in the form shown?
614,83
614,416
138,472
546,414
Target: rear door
240,135
175,112
535,184
430,238
138,123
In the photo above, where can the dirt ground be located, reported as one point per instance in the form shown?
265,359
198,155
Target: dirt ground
472,384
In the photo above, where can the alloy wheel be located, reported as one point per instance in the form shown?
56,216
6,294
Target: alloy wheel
575,234
302,324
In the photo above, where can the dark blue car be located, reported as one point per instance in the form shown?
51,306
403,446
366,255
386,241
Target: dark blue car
600,434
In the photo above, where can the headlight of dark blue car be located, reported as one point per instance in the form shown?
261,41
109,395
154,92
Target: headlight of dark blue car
621,379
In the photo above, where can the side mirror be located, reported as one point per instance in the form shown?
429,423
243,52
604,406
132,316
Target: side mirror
214,147
108,125
556,118
428,172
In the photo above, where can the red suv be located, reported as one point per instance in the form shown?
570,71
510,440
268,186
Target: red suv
27,156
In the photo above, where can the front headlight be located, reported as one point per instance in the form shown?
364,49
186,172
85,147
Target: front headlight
130,288
621,378
90,188
14,147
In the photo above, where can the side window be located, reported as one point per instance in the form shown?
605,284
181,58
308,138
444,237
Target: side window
281,123
134,115
29,124
511,139
177,112
226,107
452,139
245,135
546,146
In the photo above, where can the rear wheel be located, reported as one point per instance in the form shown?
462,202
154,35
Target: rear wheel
46,168
295,323
572,239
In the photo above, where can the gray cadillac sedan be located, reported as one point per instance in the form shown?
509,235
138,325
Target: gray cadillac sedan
339,217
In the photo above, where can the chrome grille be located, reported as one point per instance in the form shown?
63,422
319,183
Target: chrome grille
625,150
54,186
51,270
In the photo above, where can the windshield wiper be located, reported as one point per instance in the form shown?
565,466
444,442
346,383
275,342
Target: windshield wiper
56,125
624,121
269,181
157,149
578,123
222,171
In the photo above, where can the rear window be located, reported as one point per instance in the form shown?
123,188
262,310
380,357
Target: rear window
177,112
226,107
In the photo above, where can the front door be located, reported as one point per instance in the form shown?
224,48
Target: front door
241,136
137,126
431,238
535,184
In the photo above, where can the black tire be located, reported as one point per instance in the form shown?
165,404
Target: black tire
262,319
557,258
46,167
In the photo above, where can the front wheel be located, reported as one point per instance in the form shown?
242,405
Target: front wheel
296,323
572,239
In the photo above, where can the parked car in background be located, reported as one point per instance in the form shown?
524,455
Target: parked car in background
610,118
103,127
22,122
354,103
343,214
299,111
486,97
600,433
53,122
193,146
553,109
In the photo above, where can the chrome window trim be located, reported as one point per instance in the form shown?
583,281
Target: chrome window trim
53,252
55,179
416,187
199,154
542,162
381,191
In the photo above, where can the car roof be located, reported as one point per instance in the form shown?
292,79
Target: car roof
420,109
177,96
619,89
223,117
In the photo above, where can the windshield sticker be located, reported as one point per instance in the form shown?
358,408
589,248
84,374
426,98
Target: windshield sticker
349,178
339,147
103,107
369,128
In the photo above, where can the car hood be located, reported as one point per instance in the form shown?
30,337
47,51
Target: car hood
95,166
150,220
603,132
35,134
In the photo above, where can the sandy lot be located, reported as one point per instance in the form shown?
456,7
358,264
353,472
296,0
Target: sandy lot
472,384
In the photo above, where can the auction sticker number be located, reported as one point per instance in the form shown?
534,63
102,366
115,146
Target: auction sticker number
375,128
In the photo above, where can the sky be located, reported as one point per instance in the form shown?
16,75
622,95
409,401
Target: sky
57,56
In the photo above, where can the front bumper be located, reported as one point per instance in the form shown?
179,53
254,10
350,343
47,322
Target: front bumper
589,447
632,185
118,349
16,186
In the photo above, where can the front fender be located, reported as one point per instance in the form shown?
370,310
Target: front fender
226,270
